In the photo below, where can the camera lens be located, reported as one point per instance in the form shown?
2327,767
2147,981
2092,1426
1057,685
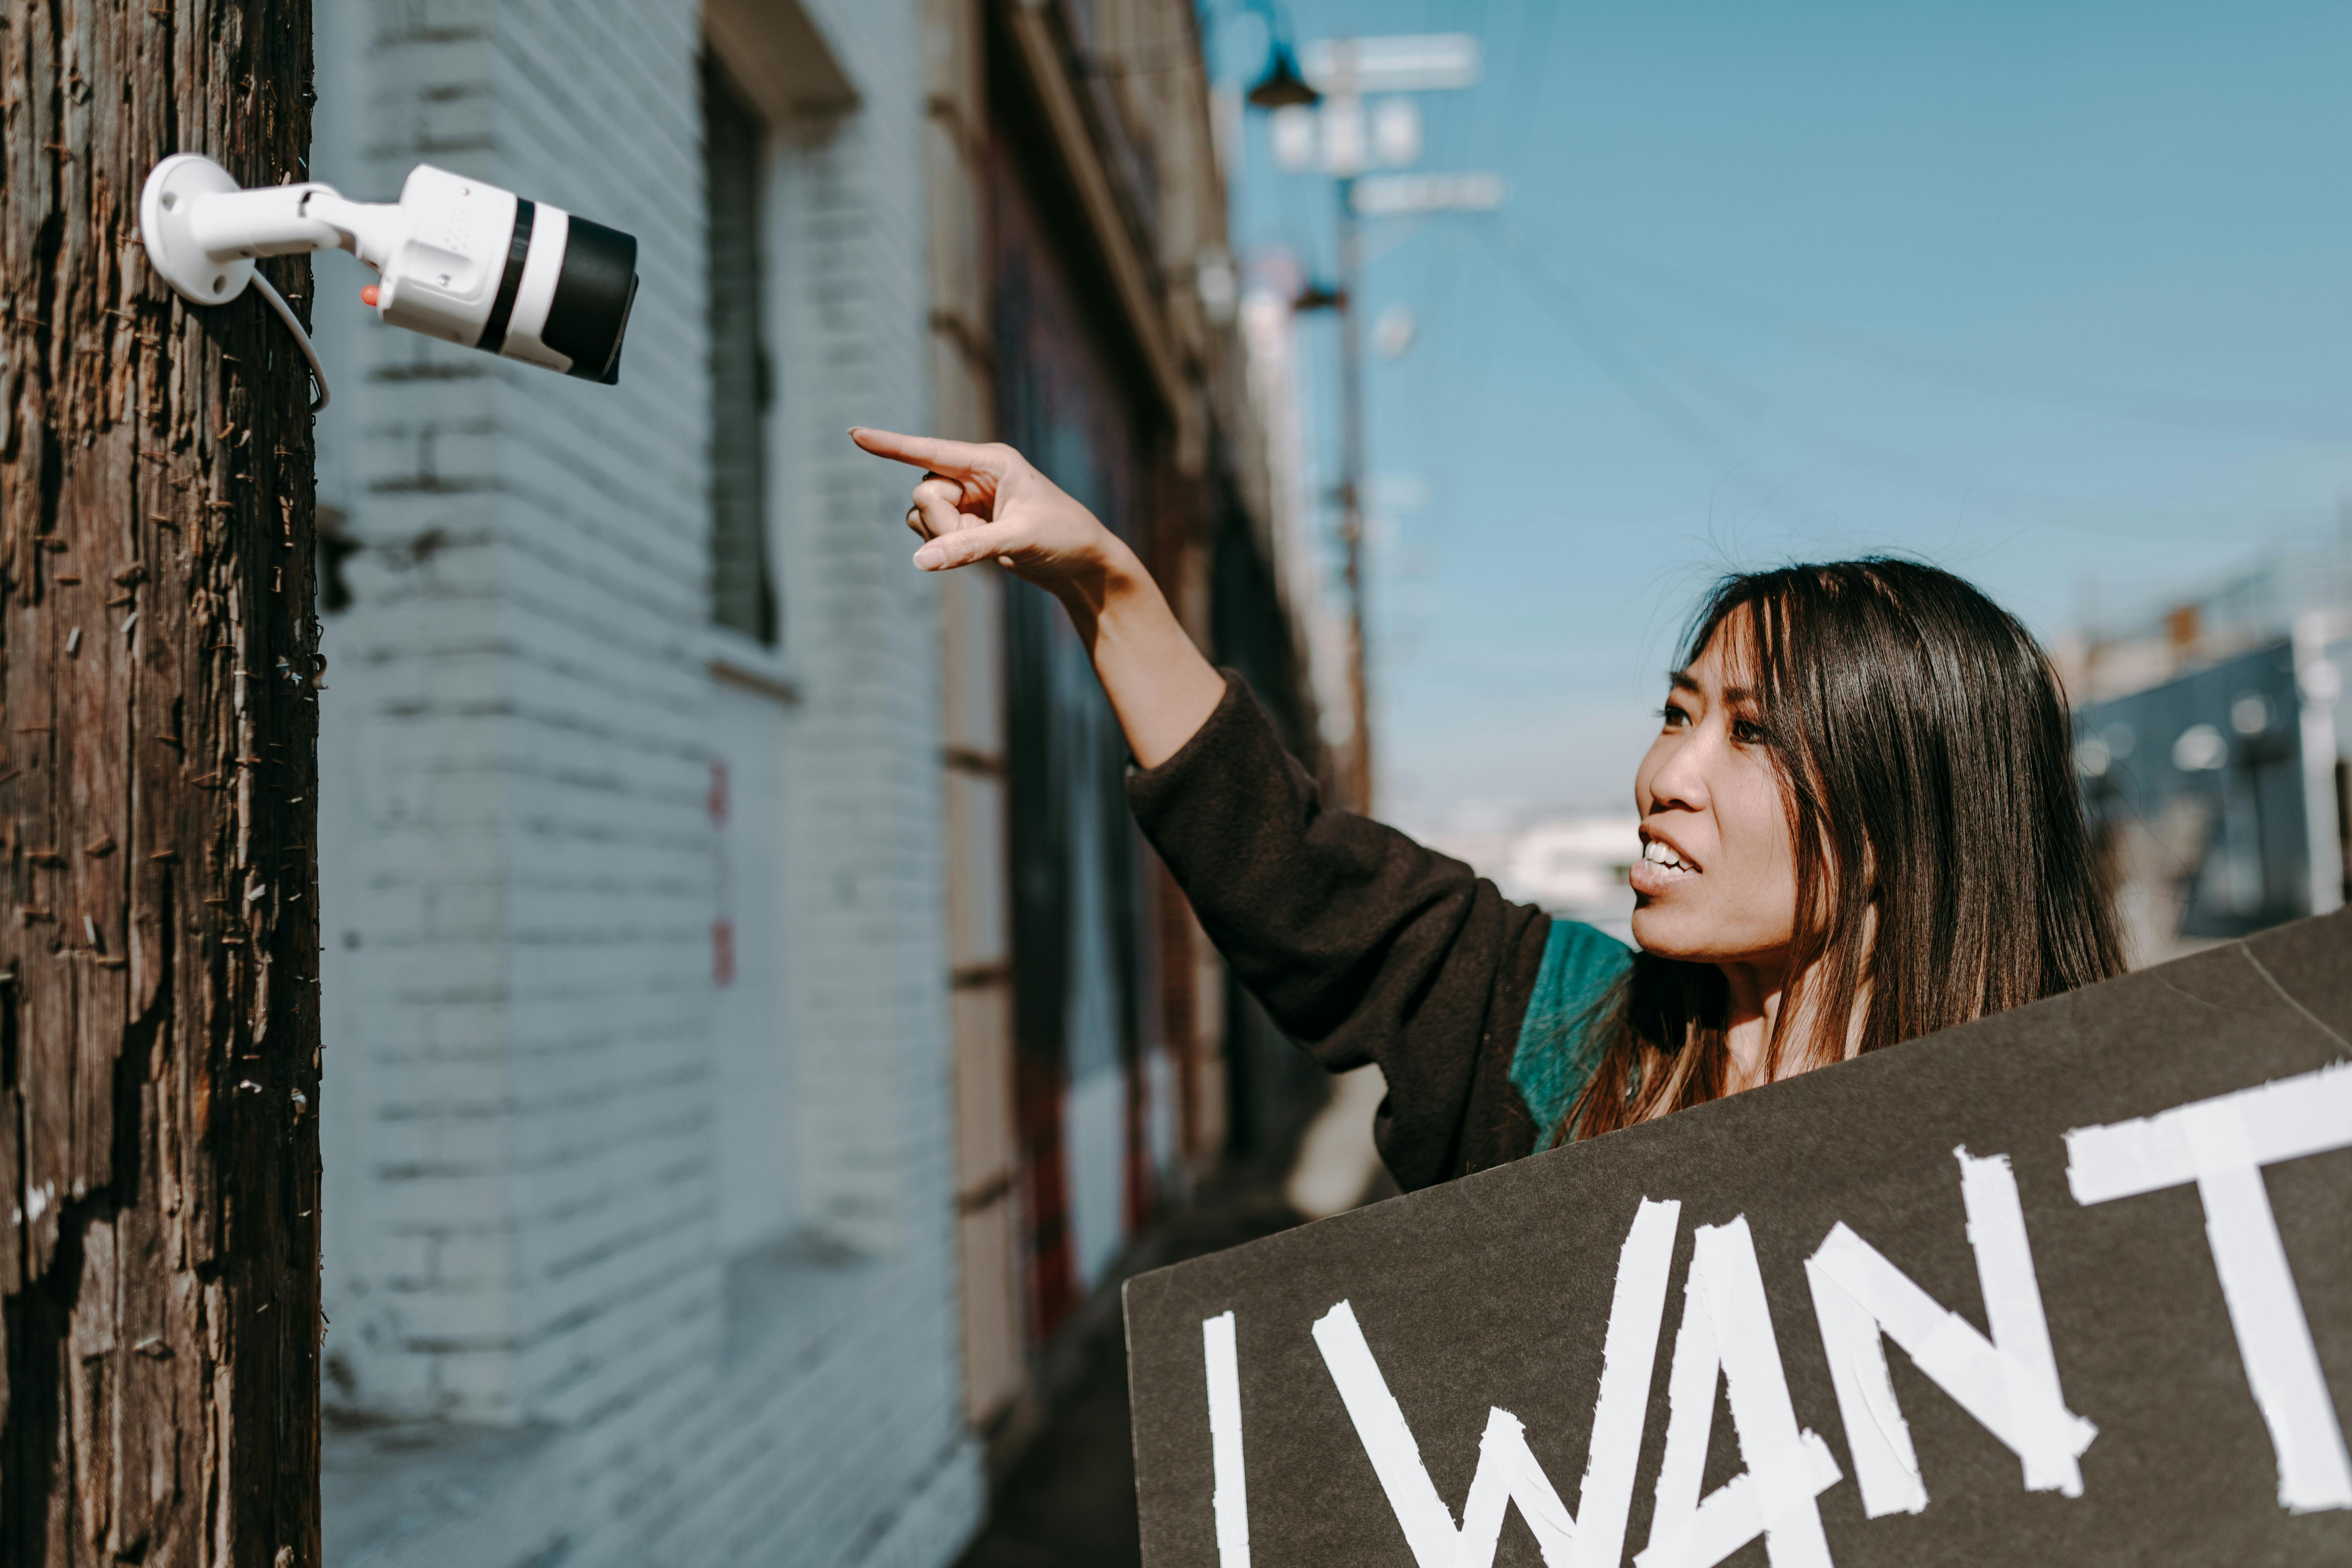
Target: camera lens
563,293
593,292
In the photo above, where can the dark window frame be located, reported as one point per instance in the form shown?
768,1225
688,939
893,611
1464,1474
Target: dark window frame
744,597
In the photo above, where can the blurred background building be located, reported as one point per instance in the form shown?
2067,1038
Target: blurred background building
1575,864
758,1041
2211,734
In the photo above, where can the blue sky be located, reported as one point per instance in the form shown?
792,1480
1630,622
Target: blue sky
2058,296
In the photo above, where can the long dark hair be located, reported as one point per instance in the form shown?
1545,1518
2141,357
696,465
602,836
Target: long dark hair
1943,868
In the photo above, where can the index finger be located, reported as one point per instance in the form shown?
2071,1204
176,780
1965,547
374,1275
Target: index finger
959,458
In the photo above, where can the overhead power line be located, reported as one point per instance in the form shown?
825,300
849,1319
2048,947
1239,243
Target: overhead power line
1662,375
1657,398
2161,405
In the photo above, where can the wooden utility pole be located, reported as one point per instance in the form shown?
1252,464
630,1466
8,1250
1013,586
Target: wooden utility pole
1358,763
159,1021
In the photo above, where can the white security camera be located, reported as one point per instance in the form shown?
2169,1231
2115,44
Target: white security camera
456,257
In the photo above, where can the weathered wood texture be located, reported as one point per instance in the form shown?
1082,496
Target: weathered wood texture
159,1015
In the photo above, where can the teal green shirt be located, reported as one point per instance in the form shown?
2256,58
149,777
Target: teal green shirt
1558,1053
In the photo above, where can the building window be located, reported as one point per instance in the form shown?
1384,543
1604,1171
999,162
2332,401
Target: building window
742,581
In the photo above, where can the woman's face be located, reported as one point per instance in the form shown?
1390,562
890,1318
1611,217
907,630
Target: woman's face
1716,883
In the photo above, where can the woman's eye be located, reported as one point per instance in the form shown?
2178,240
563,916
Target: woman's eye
1747,732
1675,718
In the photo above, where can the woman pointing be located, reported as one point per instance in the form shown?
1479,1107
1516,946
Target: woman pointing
1858,822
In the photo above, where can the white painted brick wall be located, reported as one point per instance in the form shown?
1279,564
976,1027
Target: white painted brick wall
518,1097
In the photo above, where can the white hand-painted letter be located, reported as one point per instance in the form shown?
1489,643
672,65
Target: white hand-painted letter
1231,1498
1728,1328
2222,1144
2009,1382
1507,1472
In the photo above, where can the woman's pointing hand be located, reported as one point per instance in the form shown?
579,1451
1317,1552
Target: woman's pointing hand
974,502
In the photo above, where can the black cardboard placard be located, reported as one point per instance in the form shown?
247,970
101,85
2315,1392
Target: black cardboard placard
1495,1291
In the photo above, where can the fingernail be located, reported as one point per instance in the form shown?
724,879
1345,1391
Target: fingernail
930,555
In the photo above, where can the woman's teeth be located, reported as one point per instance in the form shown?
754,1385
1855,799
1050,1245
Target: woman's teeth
1658,854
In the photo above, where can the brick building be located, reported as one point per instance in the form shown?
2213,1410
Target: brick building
753,1027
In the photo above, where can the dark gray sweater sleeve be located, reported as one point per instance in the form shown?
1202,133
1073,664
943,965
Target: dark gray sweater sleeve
1364,945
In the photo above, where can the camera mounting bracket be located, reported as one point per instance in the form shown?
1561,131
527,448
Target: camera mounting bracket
167,207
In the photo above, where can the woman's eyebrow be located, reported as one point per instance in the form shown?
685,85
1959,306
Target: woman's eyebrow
1733,695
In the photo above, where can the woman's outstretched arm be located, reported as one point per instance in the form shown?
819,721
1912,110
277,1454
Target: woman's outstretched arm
1363,945
975,502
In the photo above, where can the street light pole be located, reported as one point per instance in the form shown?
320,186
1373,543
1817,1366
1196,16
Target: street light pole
1352,490
1325,104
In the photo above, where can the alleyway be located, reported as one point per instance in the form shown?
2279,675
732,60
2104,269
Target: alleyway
1070,1501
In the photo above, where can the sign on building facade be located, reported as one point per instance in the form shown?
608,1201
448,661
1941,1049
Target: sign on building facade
2069,1284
